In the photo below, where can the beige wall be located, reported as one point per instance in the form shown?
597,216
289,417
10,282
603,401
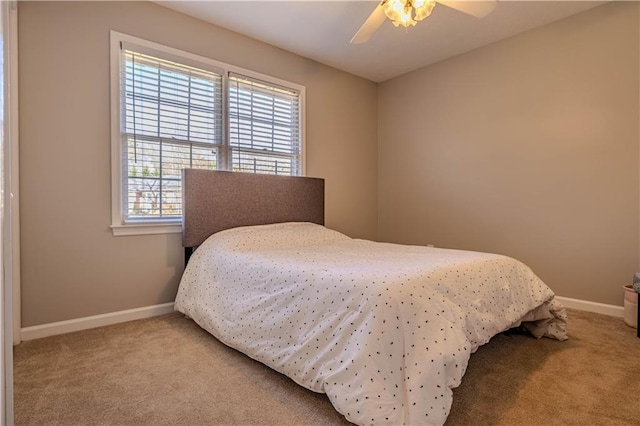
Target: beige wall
71,264
527,147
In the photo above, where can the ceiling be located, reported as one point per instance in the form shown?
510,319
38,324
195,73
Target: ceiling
321,30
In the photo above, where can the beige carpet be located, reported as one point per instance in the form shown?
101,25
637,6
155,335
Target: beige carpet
167,371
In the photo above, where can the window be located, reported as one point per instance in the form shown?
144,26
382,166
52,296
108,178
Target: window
173,110
264,129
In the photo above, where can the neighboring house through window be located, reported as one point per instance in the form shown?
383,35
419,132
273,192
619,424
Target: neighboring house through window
173,110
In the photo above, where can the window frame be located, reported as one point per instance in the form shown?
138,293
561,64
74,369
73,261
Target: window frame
170,226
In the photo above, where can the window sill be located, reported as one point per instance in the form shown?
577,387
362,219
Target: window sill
146,229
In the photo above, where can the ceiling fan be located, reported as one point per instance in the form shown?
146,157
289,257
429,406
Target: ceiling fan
409,12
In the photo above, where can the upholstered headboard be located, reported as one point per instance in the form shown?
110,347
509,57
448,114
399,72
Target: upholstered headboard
213,201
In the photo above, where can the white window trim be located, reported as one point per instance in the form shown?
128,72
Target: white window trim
118,227
122,230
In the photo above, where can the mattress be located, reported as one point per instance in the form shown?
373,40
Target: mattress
385,330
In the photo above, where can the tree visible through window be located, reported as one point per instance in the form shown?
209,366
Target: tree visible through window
172,119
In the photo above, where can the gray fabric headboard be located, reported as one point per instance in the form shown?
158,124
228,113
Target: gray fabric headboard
213,201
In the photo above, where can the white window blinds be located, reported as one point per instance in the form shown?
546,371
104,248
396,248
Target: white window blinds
264,127
171,118
173,110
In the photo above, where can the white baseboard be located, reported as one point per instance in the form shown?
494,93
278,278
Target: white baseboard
51,329
598,308
45,330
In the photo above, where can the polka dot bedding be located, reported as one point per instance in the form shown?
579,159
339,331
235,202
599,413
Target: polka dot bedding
385,330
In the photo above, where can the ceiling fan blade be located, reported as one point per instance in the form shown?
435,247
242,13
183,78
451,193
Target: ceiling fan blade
370,26
479,9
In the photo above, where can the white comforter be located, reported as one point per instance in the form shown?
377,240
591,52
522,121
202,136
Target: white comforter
385,330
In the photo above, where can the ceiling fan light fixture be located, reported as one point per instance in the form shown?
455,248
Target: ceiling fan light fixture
407,12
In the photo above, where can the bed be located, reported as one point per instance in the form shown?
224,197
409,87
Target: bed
385,330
